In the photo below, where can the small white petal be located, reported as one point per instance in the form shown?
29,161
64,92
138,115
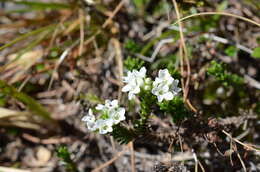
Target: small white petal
160,98
136,90
89,117
126,88
168,96
130,96
142,72
105,126
100,107
114,103
90,2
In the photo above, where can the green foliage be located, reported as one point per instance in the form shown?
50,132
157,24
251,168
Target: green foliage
220,73
187,4
231,51
256,52
122,134
64,154
161,8
165,62
140,3
132,46
140,6
13,131
32,104
147,102
174,73
175,108
2,99
204,24
92,98
133,63
168,62
257,109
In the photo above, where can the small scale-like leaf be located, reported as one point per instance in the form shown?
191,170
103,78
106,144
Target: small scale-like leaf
256,52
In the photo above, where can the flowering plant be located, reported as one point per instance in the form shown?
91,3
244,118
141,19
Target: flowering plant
110,114
162,94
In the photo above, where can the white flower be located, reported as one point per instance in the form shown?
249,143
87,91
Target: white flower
117,115
108,105
104,125
109,114
164,86
134,80
90,2
90,120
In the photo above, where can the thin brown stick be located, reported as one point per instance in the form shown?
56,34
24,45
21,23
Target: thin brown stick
118,7
81,18
116,10
184,60
241,161
218,13
201,166
241,143
118,155
132,156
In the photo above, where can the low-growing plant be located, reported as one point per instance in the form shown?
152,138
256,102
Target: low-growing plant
155,96
219,71
64,154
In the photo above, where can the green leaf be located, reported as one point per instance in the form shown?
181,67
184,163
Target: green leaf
64,154
231,51
122,134
133,63
256,52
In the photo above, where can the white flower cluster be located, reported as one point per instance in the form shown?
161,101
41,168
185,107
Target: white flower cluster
164,86
109,114
135,80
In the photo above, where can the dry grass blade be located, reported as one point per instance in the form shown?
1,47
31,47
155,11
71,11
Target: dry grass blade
17,119
132,156
118,155
241,143
184,60
21,65
7,169
31,104
7,113
218,13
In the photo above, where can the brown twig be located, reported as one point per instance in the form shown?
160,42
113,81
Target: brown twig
105,24
34,139
241,143
81,18
118,7
131,145
118,155
184,60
